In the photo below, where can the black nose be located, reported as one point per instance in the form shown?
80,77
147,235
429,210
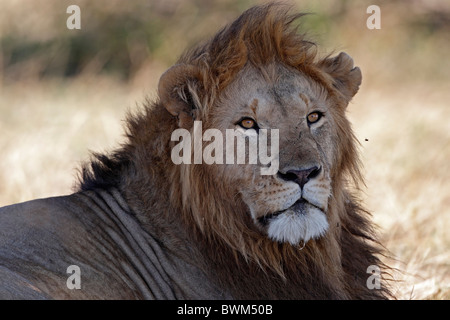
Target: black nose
301,176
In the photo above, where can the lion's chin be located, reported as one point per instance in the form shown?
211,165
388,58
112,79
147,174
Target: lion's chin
300,223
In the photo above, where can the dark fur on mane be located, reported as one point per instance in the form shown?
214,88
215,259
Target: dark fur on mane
102,172
332,268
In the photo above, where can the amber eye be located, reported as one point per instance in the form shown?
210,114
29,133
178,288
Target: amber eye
247,123
314,116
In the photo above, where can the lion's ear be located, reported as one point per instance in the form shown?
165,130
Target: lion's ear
177,91
346,78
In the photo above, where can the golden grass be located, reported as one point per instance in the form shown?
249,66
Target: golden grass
407,171
48,128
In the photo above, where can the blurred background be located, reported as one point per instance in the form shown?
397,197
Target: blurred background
64,93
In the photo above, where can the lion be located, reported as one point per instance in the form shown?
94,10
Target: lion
139,226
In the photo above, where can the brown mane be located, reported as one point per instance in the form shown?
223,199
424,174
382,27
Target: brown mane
189,203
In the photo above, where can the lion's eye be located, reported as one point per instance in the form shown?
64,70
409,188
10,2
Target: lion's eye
248,123
314,117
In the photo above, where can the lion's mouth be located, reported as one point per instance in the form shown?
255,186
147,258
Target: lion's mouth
298,207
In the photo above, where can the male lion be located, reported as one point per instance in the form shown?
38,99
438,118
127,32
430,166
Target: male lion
141,226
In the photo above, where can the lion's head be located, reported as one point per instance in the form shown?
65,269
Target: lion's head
299,223
259,74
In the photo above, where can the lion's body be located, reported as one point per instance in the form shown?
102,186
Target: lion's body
141,226
118,259
95,231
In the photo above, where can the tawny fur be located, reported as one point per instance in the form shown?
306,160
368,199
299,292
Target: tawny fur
190,210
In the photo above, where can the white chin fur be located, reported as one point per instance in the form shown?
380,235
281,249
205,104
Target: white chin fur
293,227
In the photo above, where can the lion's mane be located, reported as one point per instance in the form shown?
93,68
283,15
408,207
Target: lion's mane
187,206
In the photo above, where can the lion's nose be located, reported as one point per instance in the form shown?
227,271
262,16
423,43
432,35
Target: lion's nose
301,176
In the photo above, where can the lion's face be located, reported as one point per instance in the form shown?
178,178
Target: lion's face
291,204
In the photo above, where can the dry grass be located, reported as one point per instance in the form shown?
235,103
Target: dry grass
47,127
407,173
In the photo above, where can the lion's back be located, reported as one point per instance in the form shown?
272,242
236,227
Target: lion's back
92,237
46,243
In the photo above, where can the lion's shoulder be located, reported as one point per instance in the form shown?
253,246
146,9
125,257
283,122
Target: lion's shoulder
40,242
44,243
27,219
